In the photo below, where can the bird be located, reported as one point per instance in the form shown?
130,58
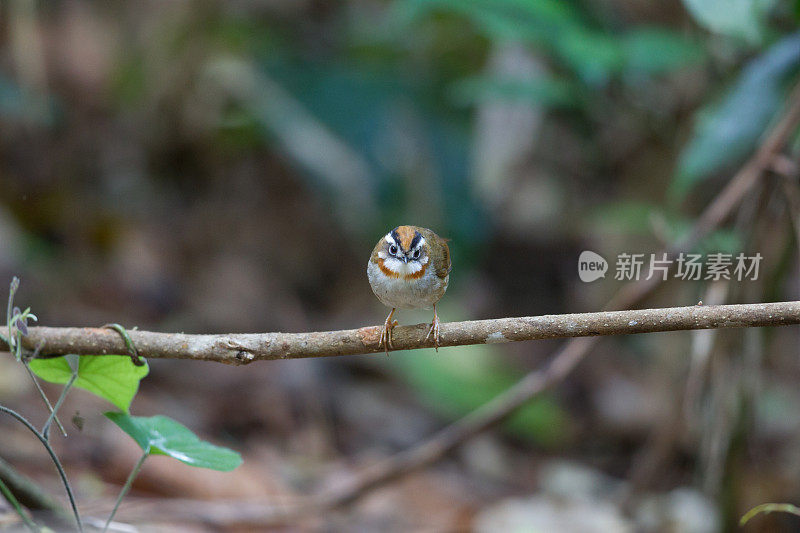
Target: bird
409,269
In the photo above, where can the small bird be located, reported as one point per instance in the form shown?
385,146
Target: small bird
409,269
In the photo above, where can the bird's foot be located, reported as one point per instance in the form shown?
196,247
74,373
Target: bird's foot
386,335
435,332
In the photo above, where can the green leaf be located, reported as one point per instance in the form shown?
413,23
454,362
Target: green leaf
595,56
736,18
728,131
498,19
769,508
112,377
656,50
161,435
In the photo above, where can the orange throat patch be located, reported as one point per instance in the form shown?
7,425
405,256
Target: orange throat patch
396,275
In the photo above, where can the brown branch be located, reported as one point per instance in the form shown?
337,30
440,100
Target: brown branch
248,347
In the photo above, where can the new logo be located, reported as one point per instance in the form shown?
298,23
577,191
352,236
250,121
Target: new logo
591,266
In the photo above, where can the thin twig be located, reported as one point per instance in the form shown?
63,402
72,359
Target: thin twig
53,457
126,487
788,174
64,391
791,189
245,348
9,496
26,364
29,493
749,174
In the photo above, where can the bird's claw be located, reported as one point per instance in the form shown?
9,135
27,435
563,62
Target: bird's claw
435,332
386,335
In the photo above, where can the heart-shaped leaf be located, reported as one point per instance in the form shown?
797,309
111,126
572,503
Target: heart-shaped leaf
112,377
161,435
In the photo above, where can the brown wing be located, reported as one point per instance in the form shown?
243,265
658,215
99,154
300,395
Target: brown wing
378,247
441,257
446,267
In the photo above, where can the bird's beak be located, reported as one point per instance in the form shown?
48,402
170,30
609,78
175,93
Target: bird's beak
405,258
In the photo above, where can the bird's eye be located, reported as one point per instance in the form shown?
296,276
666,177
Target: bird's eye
415,255
393,249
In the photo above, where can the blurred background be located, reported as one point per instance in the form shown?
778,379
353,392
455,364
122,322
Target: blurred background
220,166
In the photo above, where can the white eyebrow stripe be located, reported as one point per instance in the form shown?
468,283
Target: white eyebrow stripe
389,238
421,242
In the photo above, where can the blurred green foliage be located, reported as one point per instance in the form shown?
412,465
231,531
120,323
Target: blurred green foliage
569,34
376,111
456,382
656,222
726,131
